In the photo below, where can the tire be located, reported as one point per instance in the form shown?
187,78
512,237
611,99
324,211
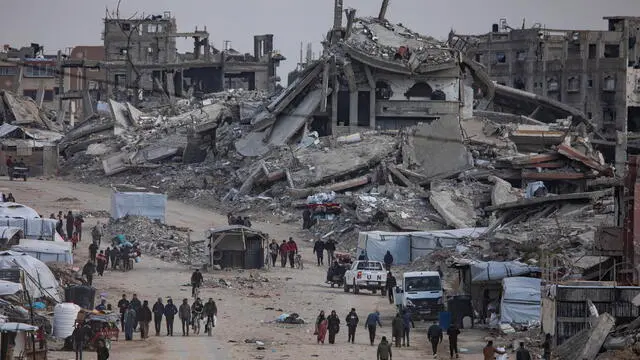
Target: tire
346,287
356,290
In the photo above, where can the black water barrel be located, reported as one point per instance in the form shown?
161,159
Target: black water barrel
460,306
81,295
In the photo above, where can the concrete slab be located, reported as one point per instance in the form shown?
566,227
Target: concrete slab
24,111
120,115
502,191
437,148
116,163
134,114
457,211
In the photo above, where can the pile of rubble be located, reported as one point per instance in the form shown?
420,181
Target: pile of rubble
167,242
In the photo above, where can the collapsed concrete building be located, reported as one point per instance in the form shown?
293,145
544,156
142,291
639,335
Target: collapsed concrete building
141,55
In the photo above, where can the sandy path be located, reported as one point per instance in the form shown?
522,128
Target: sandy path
246,309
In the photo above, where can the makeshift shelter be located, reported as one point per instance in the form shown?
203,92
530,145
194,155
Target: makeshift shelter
36,277
9,288
409,246
16,343
150,205
521,301
35,229
37,148
9,236
236,246
15,210
46,251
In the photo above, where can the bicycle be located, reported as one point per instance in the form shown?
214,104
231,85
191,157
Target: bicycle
208,327
196,323
196,292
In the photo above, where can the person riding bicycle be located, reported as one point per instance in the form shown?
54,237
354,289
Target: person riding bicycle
210,310
196,281
196,311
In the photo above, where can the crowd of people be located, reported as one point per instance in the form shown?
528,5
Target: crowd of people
238,220
287,251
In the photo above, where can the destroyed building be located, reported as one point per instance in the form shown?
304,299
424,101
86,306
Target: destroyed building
141,55
594,71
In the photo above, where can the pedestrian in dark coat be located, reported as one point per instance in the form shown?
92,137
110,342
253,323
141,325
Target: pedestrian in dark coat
521,353
143,317
391,286
170,312
123,304
408,323
318,249
352,323
284,252
397,327
158,311
388,260
70,224
88,270
107,254
330,246
333,322
453,333
384,350
434,334
101,350
93,251
372,321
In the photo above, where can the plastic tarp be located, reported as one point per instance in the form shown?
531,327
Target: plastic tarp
7,232
496,270
521,302
150,205
40,281
46,251
15,210
409,246
9,288
37,229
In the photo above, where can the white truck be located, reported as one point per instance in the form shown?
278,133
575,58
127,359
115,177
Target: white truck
365,274
422,293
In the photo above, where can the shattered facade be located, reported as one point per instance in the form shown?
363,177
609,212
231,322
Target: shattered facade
593,71
141,54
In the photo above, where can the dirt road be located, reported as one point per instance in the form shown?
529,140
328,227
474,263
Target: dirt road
247,307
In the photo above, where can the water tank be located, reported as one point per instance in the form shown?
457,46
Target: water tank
64,319
495,28
82,295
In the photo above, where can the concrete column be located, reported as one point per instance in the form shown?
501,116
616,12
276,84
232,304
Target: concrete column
372,109
353,108
334,105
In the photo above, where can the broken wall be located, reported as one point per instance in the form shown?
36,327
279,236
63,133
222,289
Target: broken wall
400,84
633,87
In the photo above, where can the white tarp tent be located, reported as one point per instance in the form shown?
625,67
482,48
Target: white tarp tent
36,229
520,303
15,210
145,204
497,270
40,281
408,246
9,288
46,251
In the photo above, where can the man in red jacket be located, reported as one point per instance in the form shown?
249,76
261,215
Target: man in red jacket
284,250
292,248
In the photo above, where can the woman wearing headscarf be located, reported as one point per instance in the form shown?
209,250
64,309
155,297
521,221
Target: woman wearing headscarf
321,327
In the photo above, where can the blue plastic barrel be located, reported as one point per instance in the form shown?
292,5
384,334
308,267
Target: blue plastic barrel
445,320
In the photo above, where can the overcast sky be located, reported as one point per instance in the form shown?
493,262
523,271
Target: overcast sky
58,24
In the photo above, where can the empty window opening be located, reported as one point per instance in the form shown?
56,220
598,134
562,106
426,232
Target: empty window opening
609,84
419,90
125,27
593,51
383,90
611,51
573,84
552,85
501,57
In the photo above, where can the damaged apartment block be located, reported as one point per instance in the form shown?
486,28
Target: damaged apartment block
141,57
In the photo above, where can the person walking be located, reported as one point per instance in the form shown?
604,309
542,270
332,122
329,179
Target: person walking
114,258
93,251
522,353
321,327
77,224
79,337
407,322
107,254
70,224
88,270
96,234
489,351
397,328
170,312
391,286
123,304
333,325
158,311
102,351
373,320
384,350
102,263
211,312
144,318
388,260
330,246
453,333
318,249
352,323
129,322
273,251
185,316
292,249
136,304
196,281
74,241
284,251
434,334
